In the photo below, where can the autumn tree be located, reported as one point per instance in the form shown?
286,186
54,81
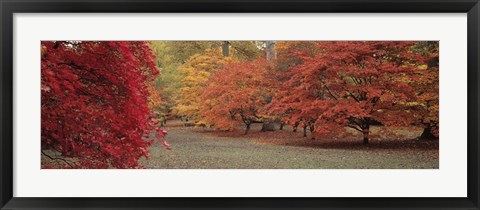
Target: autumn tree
270,56
94,101
427,88
353,84
234,95
289,110
195,73
170,55
156,103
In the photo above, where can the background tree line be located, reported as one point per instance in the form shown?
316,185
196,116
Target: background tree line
323,87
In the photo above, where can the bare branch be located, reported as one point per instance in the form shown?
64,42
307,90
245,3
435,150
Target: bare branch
55,158
351,126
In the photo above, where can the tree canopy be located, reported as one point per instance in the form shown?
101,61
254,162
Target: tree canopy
94,102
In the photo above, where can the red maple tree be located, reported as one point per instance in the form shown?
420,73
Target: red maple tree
94,103
290,53
351,84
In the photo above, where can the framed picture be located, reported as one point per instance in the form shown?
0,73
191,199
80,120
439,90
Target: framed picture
239,105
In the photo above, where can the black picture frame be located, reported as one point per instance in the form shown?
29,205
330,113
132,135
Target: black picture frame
9,7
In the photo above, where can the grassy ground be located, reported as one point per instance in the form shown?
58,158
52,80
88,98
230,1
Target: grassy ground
200,148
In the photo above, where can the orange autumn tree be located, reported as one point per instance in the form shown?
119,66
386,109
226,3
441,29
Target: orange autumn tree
196,71
427,88
235,95
353,84
290,53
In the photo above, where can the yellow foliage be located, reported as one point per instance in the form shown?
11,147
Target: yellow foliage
154,99
423,67
196,71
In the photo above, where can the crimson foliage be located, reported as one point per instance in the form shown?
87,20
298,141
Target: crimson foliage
352,84
94,103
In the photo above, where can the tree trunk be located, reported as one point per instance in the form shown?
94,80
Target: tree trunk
226,48
268,126
312,129
304,131
427,134
270,50
295,127
365,132
281,126
247,129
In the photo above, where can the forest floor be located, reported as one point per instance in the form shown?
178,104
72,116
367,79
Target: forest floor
202,148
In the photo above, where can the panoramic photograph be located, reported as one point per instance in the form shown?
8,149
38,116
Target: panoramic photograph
240,104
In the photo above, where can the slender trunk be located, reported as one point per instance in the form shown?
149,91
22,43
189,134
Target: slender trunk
365,132
312,129
427,134
281,126
270,50
295,126
304,131
247,128
226,48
